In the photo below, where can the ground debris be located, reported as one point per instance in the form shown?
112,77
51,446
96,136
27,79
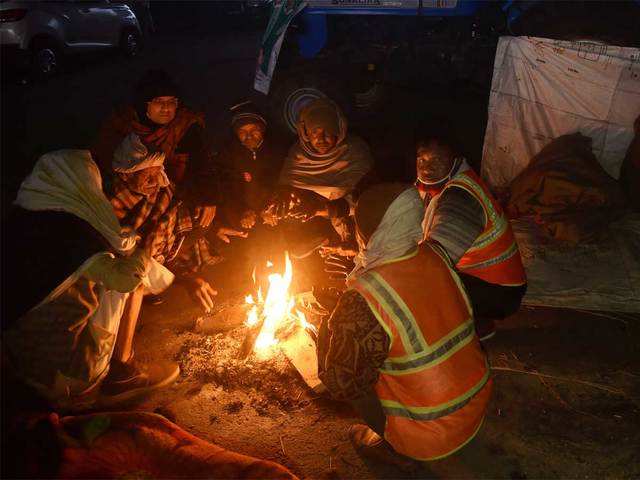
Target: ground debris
269,383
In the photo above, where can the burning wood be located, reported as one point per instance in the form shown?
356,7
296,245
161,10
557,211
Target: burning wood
275,318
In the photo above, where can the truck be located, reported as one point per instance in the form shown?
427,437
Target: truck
354,51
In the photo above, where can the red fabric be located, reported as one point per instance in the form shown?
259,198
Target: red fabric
146,445
166,138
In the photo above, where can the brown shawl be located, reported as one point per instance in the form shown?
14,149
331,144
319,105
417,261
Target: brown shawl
125,120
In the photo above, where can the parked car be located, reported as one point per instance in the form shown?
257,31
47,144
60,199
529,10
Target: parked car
35,34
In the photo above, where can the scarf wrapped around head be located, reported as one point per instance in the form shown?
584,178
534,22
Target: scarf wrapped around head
389,217
321,113
132,155
332,175
69,181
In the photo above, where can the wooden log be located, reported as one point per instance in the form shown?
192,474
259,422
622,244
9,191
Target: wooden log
300,349
222,321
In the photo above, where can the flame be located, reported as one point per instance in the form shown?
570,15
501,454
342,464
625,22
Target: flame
276,308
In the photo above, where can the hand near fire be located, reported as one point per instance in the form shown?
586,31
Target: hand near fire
224,233
337,266
284,204
341,250
205,215
248,219
203,292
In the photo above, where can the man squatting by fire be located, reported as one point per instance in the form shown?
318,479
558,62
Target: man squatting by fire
400,346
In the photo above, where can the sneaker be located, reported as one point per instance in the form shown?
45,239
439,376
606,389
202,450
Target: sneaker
371,445
485,328
128,381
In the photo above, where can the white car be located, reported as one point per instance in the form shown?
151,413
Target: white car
36,34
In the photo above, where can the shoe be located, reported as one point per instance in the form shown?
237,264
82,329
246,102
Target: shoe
371,445
153,299
485,328
128,381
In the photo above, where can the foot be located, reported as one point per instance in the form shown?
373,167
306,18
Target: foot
485,328
371,445
131,380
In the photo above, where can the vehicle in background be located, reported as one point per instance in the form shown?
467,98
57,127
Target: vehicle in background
252,8
35,35
354,50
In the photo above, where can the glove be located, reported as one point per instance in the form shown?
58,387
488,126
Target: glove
122,274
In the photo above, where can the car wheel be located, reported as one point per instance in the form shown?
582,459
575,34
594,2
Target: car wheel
130,43
45,61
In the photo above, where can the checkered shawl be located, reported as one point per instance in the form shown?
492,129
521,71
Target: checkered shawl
163,222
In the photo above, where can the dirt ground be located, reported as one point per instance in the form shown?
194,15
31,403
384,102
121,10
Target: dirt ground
566,402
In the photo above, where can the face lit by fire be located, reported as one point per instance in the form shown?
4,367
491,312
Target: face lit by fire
145,181
322,141
162,110
433,162
251,135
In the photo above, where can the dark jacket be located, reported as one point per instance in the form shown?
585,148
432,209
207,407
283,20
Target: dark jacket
248,177
187,158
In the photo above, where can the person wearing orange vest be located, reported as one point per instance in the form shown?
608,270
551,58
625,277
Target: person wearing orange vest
400,346
464,218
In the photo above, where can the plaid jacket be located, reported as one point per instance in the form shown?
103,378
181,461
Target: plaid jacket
165,225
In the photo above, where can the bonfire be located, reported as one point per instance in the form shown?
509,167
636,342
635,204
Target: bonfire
274,317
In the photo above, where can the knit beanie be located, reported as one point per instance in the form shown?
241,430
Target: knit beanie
245,113
373,204
154,83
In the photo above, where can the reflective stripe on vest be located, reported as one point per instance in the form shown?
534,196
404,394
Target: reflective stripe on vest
435,384
433,413
494,256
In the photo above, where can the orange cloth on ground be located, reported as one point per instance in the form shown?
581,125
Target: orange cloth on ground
147,445
565,187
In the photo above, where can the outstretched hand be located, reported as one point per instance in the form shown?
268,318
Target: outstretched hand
203,292
224,233
205,215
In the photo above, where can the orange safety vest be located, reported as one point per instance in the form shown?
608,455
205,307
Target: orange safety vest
434,386
494,256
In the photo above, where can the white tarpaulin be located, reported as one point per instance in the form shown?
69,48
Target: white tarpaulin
602,275
544,88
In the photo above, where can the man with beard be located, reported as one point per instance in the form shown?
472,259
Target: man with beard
465,219
323,173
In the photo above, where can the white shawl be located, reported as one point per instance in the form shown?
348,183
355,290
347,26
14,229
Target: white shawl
333,175
69,181
399,231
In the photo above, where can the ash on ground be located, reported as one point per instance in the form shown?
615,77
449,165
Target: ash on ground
269,383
